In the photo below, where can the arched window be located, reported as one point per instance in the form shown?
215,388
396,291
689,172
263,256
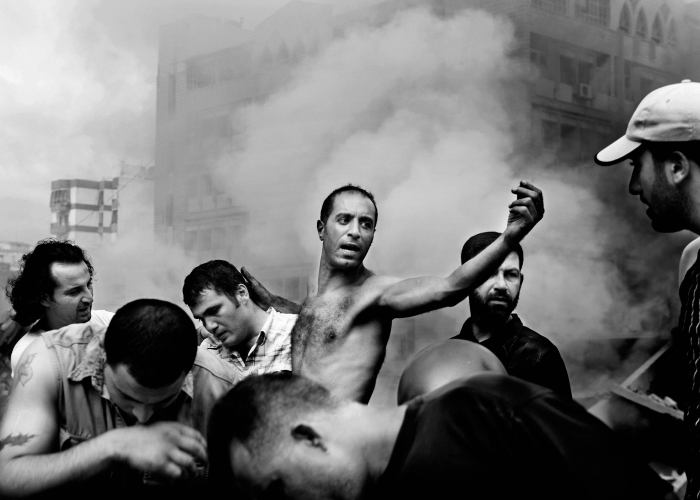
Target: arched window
625,18
642,30
657,32
672,35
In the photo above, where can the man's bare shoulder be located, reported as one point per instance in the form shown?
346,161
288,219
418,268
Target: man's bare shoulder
379,281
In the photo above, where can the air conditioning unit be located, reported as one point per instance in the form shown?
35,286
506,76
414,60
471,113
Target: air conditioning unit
585,91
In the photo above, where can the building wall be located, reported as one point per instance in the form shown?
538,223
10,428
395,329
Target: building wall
84,210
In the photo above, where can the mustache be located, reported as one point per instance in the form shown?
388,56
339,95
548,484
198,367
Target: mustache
500,296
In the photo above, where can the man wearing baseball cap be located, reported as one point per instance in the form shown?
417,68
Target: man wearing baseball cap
662,143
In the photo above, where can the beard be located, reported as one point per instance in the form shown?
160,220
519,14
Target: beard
493,312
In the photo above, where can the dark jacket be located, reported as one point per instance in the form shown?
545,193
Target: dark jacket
525,354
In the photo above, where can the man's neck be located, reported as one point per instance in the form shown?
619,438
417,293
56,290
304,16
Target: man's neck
331,278
483,328
376,429
257,321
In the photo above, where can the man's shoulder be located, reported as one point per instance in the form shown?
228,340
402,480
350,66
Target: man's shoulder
100,317
209,363
282,321
77,333
526,333
489,386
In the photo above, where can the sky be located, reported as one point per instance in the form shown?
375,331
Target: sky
77,92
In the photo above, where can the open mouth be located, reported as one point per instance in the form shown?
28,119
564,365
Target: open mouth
350,247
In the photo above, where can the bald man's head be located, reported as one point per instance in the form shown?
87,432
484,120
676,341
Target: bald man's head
443,362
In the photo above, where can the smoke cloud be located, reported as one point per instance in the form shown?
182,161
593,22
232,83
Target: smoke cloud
426,111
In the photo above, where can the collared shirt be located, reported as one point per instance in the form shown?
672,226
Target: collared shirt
98,318
84,405
271,351
525,354
85,410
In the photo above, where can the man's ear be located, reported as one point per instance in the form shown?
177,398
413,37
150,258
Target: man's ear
45,301
677,167
242,293
308,435
319,229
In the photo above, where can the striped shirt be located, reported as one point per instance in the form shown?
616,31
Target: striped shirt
689,326
271,352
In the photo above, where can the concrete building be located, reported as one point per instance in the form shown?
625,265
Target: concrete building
84,211
11,253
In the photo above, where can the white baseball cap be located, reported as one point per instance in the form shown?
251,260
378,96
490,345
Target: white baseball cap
667,114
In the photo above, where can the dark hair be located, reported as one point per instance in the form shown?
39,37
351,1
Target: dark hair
35,282
257,412
327,206
661,151
477,243
155,339
218,275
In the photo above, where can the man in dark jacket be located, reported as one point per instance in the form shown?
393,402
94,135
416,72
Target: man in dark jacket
524,353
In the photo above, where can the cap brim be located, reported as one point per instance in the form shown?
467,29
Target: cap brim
616,152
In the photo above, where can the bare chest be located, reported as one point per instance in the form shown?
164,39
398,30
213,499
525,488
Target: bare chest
325,319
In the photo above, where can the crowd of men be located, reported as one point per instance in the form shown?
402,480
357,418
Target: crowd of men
273,402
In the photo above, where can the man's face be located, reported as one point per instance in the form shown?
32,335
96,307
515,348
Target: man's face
298,470
497,297
223,317
136,400
349,230
71,301
664,203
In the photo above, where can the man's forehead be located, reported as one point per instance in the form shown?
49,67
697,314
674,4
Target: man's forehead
65,273
206,297
353,201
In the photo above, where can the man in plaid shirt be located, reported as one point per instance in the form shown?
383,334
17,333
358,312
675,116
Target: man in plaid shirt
253,339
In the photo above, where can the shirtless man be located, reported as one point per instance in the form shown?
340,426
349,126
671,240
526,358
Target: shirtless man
341,333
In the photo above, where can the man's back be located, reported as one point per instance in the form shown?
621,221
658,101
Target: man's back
495,436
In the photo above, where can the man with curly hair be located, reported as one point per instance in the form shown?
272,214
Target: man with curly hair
53,289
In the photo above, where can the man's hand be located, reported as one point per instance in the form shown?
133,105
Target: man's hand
168,450
526,211
265,299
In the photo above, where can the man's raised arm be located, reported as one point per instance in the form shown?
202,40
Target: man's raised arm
413,296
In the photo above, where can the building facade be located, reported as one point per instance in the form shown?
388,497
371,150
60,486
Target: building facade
84,211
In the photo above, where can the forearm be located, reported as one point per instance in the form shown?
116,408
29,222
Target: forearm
31,474
476,270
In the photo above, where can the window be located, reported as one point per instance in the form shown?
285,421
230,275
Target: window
628,79
200,73
585,72
625,19
657,33
538,52
171,94
642,29
553,6
593,11
567,70
672,36
550,133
